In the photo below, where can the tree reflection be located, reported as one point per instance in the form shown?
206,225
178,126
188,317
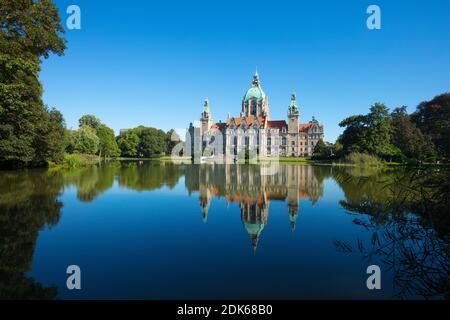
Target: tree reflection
28,203
146,176
408,217
91,181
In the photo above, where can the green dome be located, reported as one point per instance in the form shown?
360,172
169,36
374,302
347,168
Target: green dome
255,93
253,228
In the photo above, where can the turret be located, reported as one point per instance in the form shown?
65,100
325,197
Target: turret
293,115
206,118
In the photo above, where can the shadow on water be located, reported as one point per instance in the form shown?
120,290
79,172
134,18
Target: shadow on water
28,203
406,212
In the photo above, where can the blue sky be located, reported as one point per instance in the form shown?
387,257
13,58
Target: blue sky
154,62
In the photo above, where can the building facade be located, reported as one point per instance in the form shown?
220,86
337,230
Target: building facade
253,131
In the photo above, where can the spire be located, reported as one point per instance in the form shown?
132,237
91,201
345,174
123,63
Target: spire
206,106
293,106
255,81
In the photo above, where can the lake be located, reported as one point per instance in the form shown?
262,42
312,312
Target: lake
159,230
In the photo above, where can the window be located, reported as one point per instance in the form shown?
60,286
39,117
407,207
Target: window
293,143
284,141
235,140
246,141
269,141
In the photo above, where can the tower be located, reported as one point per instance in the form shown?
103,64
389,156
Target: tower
293,115
255,102
206,118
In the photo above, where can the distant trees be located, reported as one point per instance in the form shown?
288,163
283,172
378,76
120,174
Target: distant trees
29,30
322,151
369,133
107,142
93,137
128,144
90,121
86,140
412,143
433,119
152,142
421,136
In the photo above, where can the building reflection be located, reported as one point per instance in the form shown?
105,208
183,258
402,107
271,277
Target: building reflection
253,189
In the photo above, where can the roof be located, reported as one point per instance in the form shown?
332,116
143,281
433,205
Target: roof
272,124
276,124
304,127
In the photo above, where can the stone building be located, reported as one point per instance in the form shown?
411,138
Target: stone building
253,131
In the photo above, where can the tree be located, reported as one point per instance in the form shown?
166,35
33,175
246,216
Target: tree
50,139
409,139
172,139
29,30
433,119
371,133
86,140
128,144
107,142
152,142
321,151
90,121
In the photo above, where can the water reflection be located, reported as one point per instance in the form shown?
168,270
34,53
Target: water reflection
253,190
28,203
405,211
407,214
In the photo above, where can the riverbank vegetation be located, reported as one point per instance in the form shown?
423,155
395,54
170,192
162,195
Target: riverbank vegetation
33,134
422,137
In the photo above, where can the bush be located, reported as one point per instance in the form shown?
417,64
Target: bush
77,160
362,159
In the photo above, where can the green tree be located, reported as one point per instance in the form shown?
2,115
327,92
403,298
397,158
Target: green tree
409,139
86,140
29,30
152,142
90,121
322,151
433,119
50,140
128,144
172,139
371,133
107,142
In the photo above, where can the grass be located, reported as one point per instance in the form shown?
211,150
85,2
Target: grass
77,160
360,160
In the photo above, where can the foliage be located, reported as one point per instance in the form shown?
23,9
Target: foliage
433,119
77,160
172,139
90,121
322,151
409,139
29,30
152,142
143,142
107,142
369,133
361,159
86,140
128,144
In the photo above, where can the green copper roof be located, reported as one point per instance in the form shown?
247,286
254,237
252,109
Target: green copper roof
293,101
253,228
206,106
255,93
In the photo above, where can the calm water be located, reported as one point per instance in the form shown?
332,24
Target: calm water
162,231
